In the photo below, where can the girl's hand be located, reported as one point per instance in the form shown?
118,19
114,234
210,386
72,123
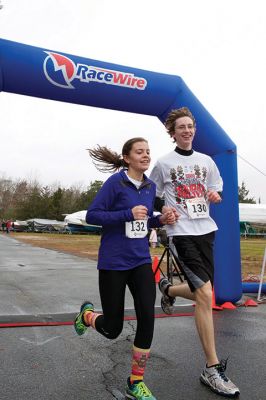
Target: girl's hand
139,212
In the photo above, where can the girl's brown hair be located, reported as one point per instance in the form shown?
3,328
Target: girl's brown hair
107,160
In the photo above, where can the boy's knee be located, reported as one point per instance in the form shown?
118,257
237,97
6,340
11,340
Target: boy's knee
204,293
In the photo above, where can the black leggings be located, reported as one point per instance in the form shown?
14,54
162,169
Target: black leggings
112,285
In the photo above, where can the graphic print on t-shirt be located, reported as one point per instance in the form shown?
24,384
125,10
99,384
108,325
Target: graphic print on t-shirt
188,182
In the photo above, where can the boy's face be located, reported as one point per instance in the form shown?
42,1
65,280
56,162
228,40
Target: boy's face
184,133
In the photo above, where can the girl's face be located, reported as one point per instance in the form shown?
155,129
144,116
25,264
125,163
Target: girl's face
139,158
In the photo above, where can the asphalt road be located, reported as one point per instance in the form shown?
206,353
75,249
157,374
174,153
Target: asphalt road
52,362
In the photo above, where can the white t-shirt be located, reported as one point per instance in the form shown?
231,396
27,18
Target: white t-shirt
179,179
134,181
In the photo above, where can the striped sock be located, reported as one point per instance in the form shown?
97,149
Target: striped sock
89,318
139,359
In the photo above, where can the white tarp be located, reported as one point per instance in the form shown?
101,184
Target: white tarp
255,213
77,218
247,212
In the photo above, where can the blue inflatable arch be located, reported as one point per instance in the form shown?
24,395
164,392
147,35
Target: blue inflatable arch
47,74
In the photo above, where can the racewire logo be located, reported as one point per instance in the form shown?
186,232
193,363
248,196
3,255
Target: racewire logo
61,71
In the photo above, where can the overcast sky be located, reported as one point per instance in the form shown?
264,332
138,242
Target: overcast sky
217,47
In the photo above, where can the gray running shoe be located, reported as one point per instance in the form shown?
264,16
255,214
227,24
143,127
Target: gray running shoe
215,378
167,302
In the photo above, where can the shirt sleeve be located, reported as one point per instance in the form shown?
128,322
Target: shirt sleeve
158,204
157,177
100,211
154,222
215,181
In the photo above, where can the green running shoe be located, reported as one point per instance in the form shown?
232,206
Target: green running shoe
138,391
79,325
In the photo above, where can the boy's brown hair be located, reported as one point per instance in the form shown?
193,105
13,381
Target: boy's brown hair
176,114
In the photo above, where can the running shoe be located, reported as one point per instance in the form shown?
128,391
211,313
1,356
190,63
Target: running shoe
79,325
167,302
138,390
215,378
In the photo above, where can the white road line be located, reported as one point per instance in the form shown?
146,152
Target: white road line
39,343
